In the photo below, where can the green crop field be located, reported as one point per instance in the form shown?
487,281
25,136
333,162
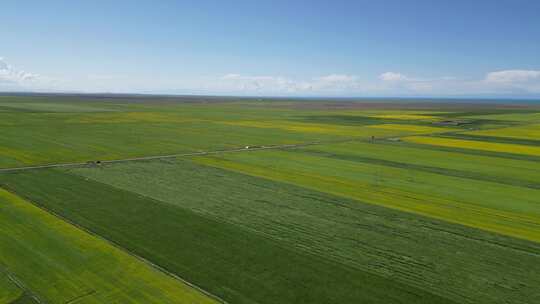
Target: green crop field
9,291
62,264
259,201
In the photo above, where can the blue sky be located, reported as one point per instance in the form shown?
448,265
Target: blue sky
300,48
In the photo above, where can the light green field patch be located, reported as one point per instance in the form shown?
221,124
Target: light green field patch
55,107
531,132
381,113
132,117
21,157
383,130
504,209
406,116
60,263
475,145
409,248
503,170
529,117
415,129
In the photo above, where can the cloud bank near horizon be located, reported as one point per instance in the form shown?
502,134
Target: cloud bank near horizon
504,82
11,77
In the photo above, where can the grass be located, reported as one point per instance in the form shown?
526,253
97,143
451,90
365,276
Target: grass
53,108
411,129
519,117
239,264
379,130
475,145
358,235
70,142
495,207
431,214
481,167
60,263
527,132
406,116
9,292
45,130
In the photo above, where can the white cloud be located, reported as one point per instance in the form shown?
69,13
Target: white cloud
12,78
335,78
391,83
513,76
510,81
232,76
233,82
3,65
398,82
392,76
388,83
333,83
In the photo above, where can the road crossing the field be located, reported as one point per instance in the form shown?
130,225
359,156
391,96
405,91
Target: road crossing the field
189,154
213,152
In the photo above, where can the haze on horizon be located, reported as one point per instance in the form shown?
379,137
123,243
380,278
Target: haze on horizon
279,48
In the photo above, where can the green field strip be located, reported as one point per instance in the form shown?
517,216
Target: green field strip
462,151
493,114
508,115
11,109
502,170
357,120
474,145
343,120
414,250
40,107
529,131
9,291
60,263
442,171
75,132
25,299
53,140
15,291
495,139
231,261
495,207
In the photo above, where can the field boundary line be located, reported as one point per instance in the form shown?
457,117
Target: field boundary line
17,282
213,152
116,245
167,156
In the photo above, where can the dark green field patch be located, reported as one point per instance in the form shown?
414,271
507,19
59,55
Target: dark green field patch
25,299
451,260
222,258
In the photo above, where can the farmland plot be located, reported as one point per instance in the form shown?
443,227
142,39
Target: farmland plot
529,132
476,145
389,207
38,131
492,206
9,292
58,263
351,233
480,167
238,263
